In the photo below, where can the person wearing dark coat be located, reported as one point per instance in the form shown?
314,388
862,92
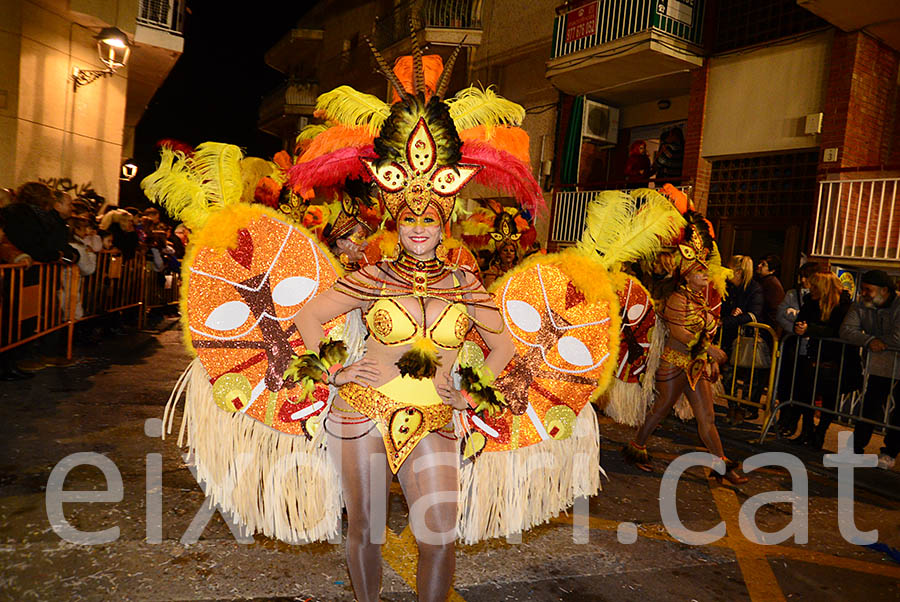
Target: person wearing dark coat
743,300
773,292
42,234
829,369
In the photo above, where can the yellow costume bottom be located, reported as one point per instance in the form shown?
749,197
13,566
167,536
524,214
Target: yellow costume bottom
694,367
402,424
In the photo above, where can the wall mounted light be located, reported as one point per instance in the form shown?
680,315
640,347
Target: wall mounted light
113,48
129,170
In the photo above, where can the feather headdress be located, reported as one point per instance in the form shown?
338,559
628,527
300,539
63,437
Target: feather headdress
417,156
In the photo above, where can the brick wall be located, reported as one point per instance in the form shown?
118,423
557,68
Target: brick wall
695,166
861,101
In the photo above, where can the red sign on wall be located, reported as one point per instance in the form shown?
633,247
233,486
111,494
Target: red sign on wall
581,22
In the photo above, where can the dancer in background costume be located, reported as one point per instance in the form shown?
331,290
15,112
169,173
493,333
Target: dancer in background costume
690,362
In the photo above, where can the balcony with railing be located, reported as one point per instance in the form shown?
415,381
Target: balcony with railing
627,50
167,15
444,22
281,110
858,219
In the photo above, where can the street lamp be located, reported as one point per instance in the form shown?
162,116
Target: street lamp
113,48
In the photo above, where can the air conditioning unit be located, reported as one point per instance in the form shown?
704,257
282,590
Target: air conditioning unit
600,122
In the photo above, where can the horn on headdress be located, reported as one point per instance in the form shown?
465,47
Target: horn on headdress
444,81
418,68
387,72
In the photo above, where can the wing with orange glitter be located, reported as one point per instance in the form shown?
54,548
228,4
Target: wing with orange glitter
241,302
566,348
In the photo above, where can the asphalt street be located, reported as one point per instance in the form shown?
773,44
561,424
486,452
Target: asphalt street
103,402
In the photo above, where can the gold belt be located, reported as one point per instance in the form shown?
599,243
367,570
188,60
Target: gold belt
694,367
401,424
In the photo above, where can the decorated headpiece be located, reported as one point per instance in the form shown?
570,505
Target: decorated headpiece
350,210
696,243
421,150
418,161
493,226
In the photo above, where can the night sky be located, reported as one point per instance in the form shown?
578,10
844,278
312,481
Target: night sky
213,91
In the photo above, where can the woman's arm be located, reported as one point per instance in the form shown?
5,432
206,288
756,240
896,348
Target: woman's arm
322,308
788,310
499,341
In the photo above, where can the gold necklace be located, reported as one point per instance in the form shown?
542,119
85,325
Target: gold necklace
420,273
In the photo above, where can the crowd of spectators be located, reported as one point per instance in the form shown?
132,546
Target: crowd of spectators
39,224
841,346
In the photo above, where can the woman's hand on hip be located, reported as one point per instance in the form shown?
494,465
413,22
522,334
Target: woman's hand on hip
364,372
716,354
451,396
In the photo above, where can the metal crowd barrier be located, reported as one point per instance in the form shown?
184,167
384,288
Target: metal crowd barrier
849,404
750,363
32,305
53,296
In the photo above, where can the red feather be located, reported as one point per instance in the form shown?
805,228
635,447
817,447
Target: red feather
330,170
503,171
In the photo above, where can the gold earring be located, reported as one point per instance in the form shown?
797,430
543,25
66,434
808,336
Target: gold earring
441,252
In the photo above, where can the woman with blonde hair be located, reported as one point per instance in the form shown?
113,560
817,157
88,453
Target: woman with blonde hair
829,369
743,299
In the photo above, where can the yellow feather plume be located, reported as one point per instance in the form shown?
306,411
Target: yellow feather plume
253,169
621,228
473,106
349,107
718,274
189,187
306,135
218,165
175,186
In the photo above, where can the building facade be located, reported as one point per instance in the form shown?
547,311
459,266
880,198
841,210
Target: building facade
49,127
756,107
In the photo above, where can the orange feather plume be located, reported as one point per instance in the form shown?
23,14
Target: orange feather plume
336,138
513,140
403,69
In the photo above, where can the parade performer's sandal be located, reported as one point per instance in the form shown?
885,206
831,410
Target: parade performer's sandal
638,456
732,474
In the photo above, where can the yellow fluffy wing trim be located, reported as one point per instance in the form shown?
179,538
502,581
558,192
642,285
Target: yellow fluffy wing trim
474,106
590,278
220,232
350,107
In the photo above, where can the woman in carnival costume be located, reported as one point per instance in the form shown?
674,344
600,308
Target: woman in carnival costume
689,364
394,408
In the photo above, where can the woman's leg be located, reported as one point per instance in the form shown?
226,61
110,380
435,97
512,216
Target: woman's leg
670,384
701,400
356,446
430,481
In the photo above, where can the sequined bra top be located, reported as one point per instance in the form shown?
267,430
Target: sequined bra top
391,324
